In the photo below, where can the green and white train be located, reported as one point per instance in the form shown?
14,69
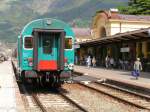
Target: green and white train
45,52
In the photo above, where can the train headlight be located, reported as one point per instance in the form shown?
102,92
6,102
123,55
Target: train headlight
70,66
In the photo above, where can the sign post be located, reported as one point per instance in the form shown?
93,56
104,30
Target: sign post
124,49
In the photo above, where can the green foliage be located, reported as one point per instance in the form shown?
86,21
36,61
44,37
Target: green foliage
137,7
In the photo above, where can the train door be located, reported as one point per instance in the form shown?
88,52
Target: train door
49,49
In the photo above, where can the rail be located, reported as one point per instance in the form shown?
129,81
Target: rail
139,101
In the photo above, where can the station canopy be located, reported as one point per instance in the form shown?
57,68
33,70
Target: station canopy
132,36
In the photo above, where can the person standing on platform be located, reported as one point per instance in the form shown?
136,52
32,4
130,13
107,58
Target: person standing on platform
137,68
94,62
120,63
89,61
112,62
107,61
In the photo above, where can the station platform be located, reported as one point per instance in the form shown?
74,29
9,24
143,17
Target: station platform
9,92
115,74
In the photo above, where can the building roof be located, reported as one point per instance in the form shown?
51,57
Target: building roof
137,35
82,32
115,15
131,17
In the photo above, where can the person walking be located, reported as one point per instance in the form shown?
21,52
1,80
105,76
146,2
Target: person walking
137,67
94,62
120,63
89,61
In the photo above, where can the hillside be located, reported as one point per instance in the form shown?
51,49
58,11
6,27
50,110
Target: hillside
14,14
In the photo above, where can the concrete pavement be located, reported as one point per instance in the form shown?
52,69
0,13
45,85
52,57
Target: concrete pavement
118,75
7,90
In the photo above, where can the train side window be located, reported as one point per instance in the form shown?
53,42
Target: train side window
28,42
68,43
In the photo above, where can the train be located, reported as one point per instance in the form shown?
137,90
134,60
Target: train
45,52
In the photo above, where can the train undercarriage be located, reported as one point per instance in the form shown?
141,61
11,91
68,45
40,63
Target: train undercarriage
44,79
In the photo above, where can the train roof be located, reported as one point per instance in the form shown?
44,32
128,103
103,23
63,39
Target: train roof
46,23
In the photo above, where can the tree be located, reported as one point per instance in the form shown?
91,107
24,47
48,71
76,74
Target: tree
136,7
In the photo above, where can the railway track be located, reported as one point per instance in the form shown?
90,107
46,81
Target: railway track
50,102
29,100
72,101
56,102
123,95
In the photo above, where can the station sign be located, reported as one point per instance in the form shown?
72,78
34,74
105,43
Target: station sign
125,49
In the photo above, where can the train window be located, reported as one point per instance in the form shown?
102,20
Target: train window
47,45
68,43
28,42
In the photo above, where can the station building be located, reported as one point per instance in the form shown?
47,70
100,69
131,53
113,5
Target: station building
124,37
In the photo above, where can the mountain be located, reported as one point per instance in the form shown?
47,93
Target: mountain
14,14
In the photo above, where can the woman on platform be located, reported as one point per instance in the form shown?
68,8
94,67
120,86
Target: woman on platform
94,62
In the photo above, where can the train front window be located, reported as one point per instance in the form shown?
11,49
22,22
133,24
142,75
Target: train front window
68,43
47,44
28,43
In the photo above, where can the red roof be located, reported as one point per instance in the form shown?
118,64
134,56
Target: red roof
130,17
116,15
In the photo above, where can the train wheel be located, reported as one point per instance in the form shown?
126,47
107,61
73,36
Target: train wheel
57,83
43,81
35,82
